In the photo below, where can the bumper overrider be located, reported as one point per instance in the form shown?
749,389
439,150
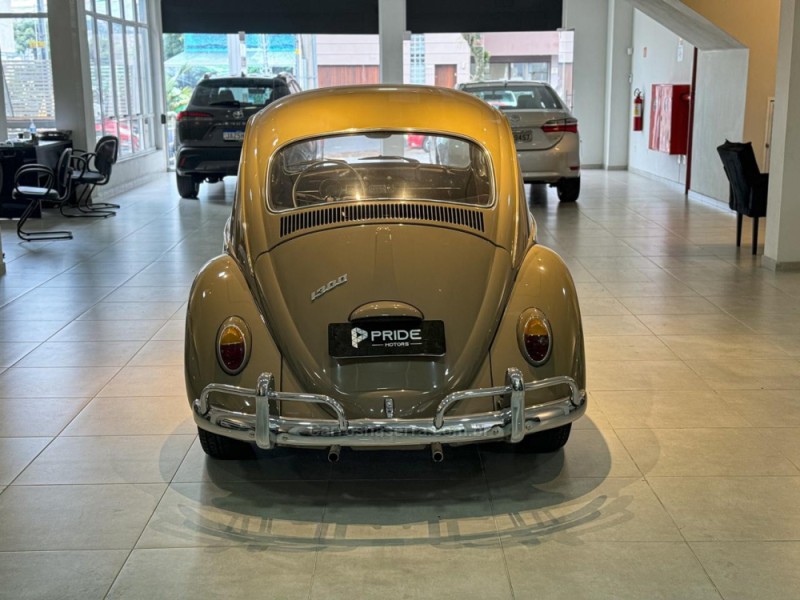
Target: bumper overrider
510,424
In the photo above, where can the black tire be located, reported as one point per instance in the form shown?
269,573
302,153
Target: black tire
549,440
569,189
224,448
188,186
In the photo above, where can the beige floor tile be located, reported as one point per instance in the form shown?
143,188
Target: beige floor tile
108,459
579,510
213,573
75,517
693,324
596,306
133,311
785,439
146,381
668,410
706,452
16,454
275,513
54,382
77,575
710,347
765,408
37,417
148,294
788,343
165,415
774,374
745,570
12,352
732,508
81,354
31,330
159,353
171,330
646,375
82,331
607,571
626,347
622,289
614,325
669,305
411,571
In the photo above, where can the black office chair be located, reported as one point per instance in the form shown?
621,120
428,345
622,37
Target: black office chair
525,101
92,169
49,186
748,186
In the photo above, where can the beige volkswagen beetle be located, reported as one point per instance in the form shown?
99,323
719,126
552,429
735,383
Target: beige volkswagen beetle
372,295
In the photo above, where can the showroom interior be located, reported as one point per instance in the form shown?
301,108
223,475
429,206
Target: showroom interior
682,480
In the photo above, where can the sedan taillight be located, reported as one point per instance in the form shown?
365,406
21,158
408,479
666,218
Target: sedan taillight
561,126
535,337
193,114
233,346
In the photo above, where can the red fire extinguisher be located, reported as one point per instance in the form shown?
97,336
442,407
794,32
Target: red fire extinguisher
638,110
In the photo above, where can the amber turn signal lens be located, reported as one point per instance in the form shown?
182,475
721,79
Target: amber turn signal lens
232,349
536,339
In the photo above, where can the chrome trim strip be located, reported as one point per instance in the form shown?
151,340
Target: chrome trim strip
510,424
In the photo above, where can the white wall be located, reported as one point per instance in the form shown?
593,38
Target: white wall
589,19
720,100
618,95
656,60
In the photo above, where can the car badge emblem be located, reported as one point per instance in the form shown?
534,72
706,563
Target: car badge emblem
357,335
514,118
238,114
328,287
388,404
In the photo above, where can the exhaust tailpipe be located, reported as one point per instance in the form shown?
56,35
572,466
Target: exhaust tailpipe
437,454
333,454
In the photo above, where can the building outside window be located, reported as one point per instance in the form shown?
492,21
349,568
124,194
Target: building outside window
119,61
27,72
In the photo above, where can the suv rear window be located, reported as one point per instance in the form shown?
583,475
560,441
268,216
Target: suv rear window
226,92
379,166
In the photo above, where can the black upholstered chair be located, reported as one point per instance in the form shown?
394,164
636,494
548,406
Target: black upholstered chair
90,170
748,186
35,183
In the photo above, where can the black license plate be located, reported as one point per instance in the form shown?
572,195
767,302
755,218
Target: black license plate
523,135
386,338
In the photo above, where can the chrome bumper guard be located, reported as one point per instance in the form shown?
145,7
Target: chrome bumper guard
510,424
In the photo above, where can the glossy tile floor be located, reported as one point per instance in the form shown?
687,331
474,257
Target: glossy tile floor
682,482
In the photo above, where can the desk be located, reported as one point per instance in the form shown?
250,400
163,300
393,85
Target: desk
12,158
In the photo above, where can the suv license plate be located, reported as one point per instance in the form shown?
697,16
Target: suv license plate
233,136
523,135
395,337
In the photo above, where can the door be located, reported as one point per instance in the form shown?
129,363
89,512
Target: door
445,76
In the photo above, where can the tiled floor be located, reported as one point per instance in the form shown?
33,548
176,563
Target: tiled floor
682,482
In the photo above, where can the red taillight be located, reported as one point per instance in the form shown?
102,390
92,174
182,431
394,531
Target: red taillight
535,337
561,126
193,114
232,348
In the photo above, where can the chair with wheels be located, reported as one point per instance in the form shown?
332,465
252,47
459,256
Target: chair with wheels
748,186
36,184
90,170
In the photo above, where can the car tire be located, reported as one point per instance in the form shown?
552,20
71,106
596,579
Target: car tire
569,189
188,186
224,448
549,440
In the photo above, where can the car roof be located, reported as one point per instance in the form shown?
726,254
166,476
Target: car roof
502,83
243,81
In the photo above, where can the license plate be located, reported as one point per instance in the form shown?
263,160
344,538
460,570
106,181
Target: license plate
386,338
233,136
523,135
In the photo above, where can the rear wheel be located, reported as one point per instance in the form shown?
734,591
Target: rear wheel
188,186
549,440
569,189
223,448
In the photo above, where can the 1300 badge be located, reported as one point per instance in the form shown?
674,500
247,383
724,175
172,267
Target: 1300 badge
328,287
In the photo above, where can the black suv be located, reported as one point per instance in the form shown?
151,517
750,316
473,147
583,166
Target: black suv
210,131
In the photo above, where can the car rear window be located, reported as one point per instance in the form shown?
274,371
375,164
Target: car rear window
533,97
237,93
379,166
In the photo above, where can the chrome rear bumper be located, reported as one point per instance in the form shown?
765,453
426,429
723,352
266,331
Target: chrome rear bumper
510,424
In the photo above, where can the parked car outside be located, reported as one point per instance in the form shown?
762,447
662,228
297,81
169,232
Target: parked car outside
209,132
371,297
545,132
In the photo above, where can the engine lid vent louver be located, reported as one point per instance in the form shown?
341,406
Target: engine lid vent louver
464,217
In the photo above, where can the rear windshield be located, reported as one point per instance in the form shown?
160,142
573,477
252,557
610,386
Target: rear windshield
379,166
239,93
533,97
